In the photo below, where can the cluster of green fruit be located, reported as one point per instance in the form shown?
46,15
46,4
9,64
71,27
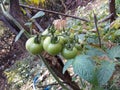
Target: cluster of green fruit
54,43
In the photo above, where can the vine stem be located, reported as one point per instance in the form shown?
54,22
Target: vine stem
52,72
99,38
7,15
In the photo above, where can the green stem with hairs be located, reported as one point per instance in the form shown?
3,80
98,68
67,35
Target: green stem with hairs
52,72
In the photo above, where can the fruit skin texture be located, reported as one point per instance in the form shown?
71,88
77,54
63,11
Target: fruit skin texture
32,47
52,48
69,54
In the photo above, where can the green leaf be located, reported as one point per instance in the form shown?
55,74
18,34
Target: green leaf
114,52
94,81
117,32
93,39
76,27
28,23
92,51
19,35
105,71
84,67
97,88
74,78
38,14
81,37
67,65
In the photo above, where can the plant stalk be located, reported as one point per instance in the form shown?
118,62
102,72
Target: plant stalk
99,38
52,72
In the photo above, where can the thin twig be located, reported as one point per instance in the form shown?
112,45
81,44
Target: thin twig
6,42
106,18
99,38
63,4
53,12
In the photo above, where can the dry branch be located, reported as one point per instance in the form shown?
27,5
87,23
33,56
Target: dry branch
53,12
106,18
112,9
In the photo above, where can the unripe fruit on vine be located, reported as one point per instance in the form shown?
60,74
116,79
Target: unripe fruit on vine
32,47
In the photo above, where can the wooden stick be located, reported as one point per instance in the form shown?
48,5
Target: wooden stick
53,12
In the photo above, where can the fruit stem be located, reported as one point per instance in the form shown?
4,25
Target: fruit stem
54,39
36,40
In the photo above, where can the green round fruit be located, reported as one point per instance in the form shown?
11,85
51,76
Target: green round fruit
52,48
32,47
69,54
